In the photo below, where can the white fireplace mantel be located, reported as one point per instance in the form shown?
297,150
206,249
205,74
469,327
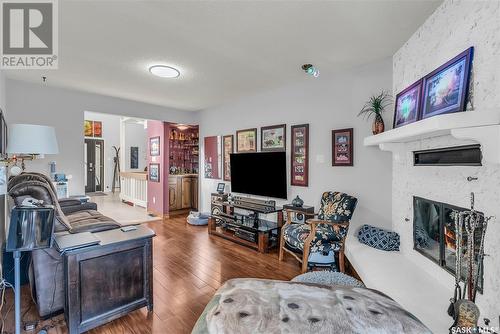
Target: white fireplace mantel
479,126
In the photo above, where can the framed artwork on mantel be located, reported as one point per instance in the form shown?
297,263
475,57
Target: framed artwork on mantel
246,140
299,166
227,148
273,138
407,106
446,89
342,147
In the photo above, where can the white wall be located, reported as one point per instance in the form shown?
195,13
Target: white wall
63,108
2,197
455,26
136,135
2,90
111,137
326,103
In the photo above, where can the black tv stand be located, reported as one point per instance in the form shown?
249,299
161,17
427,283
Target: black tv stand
248,229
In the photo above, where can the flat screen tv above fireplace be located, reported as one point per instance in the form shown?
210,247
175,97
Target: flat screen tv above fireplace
262,174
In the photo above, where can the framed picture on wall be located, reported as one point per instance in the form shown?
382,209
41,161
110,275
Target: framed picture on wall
154,172
134,157
299,166
446,89
227,149
212,147
407,106
273,138
88,128
342,147
97,129
246,140
92,128
154,146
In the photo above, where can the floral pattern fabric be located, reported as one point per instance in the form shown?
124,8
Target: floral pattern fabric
335,207
327,239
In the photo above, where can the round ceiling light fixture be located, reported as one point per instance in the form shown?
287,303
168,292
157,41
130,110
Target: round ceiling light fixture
311,70
164,71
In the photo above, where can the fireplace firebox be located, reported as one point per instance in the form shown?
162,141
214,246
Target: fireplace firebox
434,235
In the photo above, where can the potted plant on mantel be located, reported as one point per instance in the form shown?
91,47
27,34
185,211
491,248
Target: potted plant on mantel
376,106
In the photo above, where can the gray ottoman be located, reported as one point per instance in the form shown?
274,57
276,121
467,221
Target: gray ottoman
328,278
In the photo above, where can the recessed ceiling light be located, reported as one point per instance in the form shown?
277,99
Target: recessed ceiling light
164,71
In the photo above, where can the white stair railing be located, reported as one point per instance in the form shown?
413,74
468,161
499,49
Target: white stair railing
134,188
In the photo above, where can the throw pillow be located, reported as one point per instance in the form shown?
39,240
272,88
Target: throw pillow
379,238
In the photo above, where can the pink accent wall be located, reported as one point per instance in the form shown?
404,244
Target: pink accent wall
159,190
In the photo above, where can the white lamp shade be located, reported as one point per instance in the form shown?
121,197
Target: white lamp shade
31,139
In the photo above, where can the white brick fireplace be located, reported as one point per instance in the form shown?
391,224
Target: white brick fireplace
414,280
454,27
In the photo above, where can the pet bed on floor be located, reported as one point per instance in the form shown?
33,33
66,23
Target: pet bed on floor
197,218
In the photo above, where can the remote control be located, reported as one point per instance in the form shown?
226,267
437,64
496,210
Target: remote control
129,228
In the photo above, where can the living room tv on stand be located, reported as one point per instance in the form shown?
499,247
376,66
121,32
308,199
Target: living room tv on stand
260,173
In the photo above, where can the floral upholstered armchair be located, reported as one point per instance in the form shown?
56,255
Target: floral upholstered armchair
324,234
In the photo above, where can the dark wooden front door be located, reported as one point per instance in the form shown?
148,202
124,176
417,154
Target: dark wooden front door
94,165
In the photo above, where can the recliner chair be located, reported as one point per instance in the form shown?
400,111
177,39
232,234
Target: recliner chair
46,274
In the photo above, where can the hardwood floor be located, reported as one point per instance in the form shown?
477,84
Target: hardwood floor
189,266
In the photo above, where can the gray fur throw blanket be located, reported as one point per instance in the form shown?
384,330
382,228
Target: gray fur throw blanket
267,306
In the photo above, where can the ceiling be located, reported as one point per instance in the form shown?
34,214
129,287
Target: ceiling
224,49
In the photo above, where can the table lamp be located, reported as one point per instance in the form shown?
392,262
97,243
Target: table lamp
29,141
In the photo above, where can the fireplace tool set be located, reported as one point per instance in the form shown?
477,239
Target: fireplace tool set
469,255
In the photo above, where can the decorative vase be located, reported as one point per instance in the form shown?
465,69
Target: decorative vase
378,125
297,202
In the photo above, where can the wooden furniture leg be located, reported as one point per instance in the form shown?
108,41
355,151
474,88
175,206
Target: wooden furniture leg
282,233
342,260
211,225
282,245
263,242
307,247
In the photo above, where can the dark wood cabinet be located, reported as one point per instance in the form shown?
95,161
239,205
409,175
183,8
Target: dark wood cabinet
107,281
